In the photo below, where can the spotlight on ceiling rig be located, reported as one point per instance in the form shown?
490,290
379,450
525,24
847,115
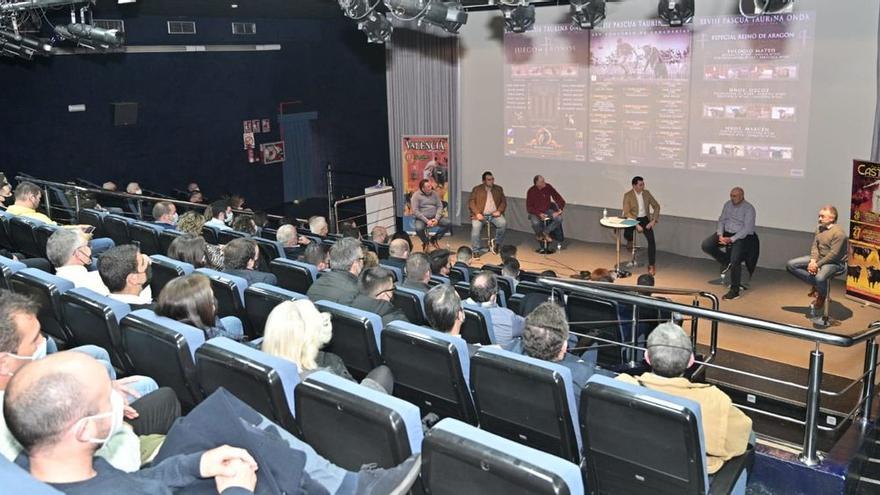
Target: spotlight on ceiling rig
587,14
519,16
676,12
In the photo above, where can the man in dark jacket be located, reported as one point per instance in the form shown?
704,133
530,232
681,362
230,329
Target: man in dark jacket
340,284
240,258
418,272
376,290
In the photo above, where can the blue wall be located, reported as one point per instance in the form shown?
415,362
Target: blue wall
191,107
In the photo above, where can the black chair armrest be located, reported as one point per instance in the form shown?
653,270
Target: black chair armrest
725,479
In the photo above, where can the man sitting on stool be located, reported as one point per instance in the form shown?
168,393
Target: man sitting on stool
543,203
427,207
638,203
735,225
487,204
827,256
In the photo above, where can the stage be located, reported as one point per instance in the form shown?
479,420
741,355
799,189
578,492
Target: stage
773,295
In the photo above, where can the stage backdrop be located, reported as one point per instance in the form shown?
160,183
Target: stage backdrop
424,157
863,272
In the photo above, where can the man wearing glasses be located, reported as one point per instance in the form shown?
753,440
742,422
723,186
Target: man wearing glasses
376,290
340,284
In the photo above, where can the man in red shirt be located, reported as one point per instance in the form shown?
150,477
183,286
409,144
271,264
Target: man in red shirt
543,202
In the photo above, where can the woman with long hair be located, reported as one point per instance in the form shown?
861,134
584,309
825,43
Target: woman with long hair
189,299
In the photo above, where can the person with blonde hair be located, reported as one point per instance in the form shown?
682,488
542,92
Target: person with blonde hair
296,331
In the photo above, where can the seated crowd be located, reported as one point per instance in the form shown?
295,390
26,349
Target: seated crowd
72,425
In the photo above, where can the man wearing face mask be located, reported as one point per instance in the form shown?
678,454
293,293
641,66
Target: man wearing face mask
21,343
68,250
126,273
165,215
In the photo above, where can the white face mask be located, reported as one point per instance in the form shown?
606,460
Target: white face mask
117,406
229,216
39,353
174,218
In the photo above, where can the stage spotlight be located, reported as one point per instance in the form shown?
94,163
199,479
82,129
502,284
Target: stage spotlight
762,7
34,44
91,36
676,12
357,9
377,27
447,15
587,14
519,16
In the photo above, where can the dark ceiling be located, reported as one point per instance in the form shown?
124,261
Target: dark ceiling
305,9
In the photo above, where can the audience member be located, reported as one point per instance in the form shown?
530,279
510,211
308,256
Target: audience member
545,337
196,197
375,292
319,255
725,428
398,253
510,269
418,272
68,250
220,212
463,256
371,259
507,251
5,194
403,235
193,187
349,230
296,331
379,234
191,223
189,249
109,186
133,188
294,245
126,273
444,313
189,299
507,325
318,226
340,284
440,262
165,215
246,224
240,259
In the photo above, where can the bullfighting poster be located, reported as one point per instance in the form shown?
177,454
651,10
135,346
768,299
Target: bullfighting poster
863,270
424,157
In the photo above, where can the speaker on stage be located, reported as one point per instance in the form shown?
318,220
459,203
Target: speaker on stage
125,113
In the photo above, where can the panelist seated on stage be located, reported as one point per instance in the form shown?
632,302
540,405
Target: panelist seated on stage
735,230
726,429
487,204
427,208
827,256
544,203
638,203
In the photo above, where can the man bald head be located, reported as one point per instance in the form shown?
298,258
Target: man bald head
398,248
46,399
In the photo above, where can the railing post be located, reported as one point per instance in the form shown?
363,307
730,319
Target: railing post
46,198
331,204
633,330
695,323
868,383
811,428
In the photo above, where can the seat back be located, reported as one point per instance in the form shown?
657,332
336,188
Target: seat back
21,231
496,269
8,267
261,381
211,234
268,233
505,287
477,327
580,308
229,293
42,232
463,289
670,457
260,299
166,269
293,275
94,319
146,235
526,400
396,270
438,280
166,237
412,303
526,287
456,457
46,289
431,370
269,249
117,228
5,239
17,480
351,425
164,350
225,236
95,218
356,337
459,274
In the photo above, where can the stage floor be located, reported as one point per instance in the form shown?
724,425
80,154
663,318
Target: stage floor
774,295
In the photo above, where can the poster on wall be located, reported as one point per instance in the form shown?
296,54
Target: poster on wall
272,152
424,157
863,270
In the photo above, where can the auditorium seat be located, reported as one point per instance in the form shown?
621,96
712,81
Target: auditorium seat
458,274
94,319
225,236
8,267
463,289
525,287
5,239
356,337
496,269
477,327
95,218
438,280
166,269
117,228
260,299
17,480
166,237
526,400
457,457
580,308
396,270
146,235
261,381
164,349
431,370
505,287
229,293
42,233
269,234
211,234
412,303
294,275
21,231
269,250
46,290
351,425
670,453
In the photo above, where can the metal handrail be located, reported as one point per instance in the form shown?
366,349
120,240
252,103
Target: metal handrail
393,207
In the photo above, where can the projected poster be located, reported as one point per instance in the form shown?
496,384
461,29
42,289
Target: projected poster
425,157
545,92
639,75
863,270
751,94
